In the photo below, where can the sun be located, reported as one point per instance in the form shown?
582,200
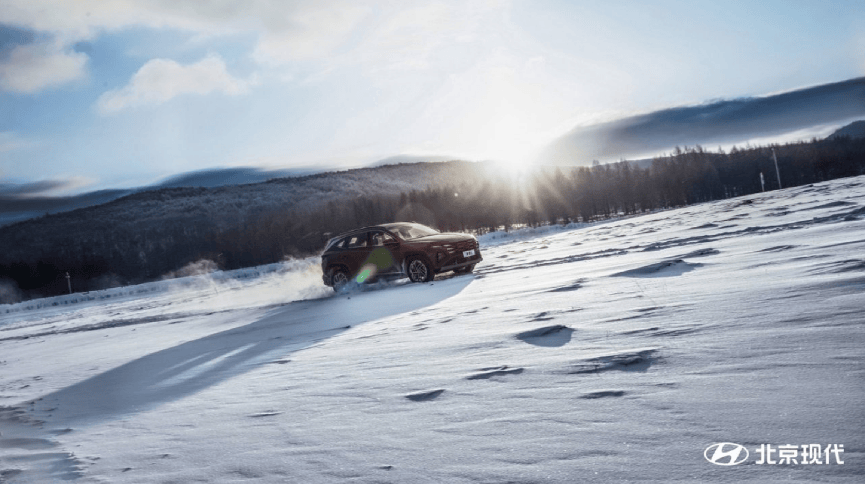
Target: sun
508,143
508,153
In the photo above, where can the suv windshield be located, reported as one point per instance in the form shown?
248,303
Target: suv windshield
412,231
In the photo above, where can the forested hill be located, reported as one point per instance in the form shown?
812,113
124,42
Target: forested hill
146,234
853,130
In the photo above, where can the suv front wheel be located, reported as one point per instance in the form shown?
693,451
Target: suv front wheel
419,270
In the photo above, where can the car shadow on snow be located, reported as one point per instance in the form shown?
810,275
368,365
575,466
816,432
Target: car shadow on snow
188,368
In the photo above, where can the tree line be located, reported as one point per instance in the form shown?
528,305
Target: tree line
98,254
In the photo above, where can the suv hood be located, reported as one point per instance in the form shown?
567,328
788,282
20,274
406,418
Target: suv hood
444,238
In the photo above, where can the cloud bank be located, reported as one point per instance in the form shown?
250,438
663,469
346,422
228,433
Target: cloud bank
722,122
41,188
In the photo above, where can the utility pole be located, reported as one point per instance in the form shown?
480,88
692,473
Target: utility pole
69,282
762,182
777,172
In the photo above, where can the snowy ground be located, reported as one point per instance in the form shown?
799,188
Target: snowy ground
607,353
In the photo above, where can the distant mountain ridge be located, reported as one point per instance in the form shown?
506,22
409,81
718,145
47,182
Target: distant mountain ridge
721,122
17,205
16,209
298,192
855,129
219,177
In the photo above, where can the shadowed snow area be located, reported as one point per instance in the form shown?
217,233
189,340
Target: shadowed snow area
660,269
192,366
607,352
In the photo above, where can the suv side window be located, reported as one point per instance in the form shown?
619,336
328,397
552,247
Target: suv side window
379,238
355,241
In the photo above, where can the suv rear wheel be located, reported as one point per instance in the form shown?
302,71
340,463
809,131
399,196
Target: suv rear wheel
419,270
339,279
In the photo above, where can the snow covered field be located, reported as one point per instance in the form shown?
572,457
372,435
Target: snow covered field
606,353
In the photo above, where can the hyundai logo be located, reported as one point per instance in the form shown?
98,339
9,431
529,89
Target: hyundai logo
726,454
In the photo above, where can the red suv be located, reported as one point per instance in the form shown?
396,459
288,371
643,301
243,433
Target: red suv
396,250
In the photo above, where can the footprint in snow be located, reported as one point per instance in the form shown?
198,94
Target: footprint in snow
639,360
668,268
26,443
603,394
839,203
8,474
487,373
549,336
542,317
264,414
570,287
700,253
425,396
839,267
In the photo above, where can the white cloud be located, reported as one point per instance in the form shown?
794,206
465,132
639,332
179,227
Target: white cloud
34,67
287,31
160,80
307,32
11,141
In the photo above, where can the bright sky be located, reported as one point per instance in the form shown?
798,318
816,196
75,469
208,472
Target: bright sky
121,93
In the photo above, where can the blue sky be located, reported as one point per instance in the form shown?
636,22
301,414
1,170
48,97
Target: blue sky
121,93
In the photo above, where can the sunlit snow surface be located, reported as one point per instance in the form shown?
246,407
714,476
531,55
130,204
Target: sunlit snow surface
605,353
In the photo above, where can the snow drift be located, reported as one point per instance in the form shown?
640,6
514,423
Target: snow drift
606,353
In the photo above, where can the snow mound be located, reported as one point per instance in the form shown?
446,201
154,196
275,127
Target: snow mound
491,372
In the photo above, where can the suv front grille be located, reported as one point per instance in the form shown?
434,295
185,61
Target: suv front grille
460,246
